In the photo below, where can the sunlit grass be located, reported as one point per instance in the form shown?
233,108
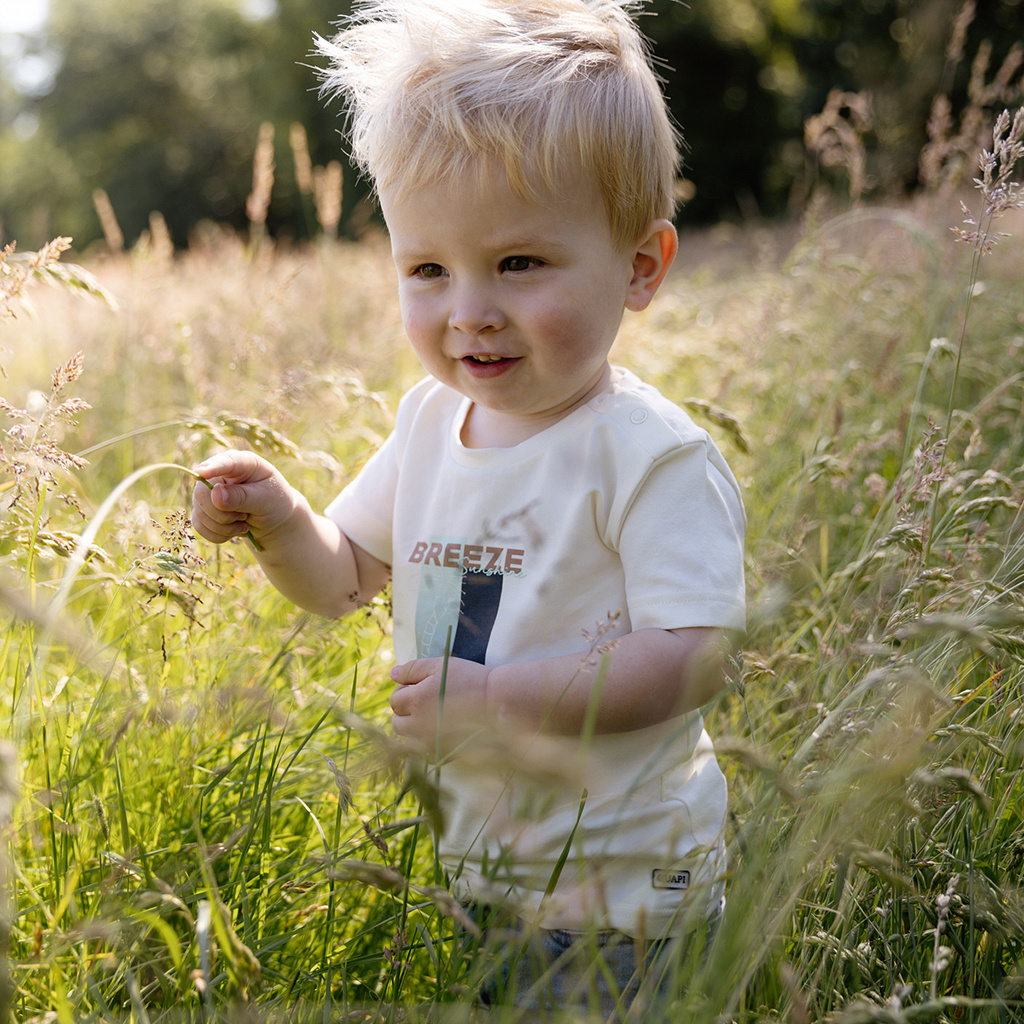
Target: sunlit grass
202,805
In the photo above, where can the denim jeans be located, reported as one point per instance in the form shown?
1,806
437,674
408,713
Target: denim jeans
603,971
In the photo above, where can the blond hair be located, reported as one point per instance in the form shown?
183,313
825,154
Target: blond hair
551,90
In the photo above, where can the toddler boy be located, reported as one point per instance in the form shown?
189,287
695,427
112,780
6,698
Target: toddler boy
564,543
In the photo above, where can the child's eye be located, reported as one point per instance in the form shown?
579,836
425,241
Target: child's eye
430,271
517,264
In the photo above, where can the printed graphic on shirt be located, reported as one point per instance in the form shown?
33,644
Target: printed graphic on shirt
437,608
481,595
486,558
460,590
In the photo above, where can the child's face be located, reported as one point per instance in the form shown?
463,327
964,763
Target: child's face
512,302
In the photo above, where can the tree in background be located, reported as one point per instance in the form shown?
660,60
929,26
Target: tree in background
159,103
727,69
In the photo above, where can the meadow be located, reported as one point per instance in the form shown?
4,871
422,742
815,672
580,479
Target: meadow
204,815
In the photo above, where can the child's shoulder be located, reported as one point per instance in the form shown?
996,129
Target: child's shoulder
423,389
639,414
645,430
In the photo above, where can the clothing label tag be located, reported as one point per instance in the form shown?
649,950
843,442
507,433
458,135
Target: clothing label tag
661,879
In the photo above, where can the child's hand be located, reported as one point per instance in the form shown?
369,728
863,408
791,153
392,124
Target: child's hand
415,700
248,496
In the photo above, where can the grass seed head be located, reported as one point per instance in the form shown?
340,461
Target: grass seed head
1000,191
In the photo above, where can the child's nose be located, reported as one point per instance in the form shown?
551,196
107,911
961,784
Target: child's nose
474,311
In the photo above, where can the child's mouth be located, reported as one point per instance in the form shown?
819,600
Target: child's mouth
487,366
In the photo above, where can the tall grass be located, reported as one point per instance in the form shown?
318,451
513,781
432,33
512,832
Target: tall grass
202,809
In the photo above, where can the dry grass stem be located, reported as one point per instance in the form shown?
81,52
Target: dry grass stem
257,204
327,192
300,154
958,36
946,158
108,220
835,137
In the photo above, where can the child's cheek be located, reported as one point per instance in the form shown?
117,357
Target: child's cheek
418,320
568,332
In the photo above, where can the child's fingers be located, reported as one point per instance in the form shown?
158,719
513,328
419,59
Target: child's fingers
407,698
414,671
405,727
216,531
237,493
261,498
235,498
211,522
234,467
397,700
413,717
219,504
403,718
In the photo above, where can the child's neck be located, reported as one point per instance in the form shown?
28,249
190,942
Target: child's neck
483,428
486,428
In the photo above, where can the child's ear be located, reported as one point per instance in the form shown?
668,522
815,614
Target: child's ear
651,260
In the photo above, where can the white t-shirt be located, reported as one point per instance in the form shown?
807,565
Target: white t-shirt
621,516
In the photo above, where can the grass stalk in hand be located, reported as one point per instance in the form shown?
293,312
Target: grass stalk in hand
248,533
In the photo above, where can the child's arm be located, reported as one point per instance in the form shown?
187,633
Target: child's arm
652,675
304,555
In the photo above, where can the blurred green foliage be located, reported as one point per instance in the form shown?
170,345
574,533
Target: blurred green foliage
159,102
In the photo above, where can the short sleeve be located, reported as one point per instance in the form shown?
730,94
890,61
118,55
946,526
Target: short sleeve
364,510
681,545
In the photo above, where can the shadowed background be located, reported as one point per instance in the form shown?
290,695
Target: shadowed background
159,103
